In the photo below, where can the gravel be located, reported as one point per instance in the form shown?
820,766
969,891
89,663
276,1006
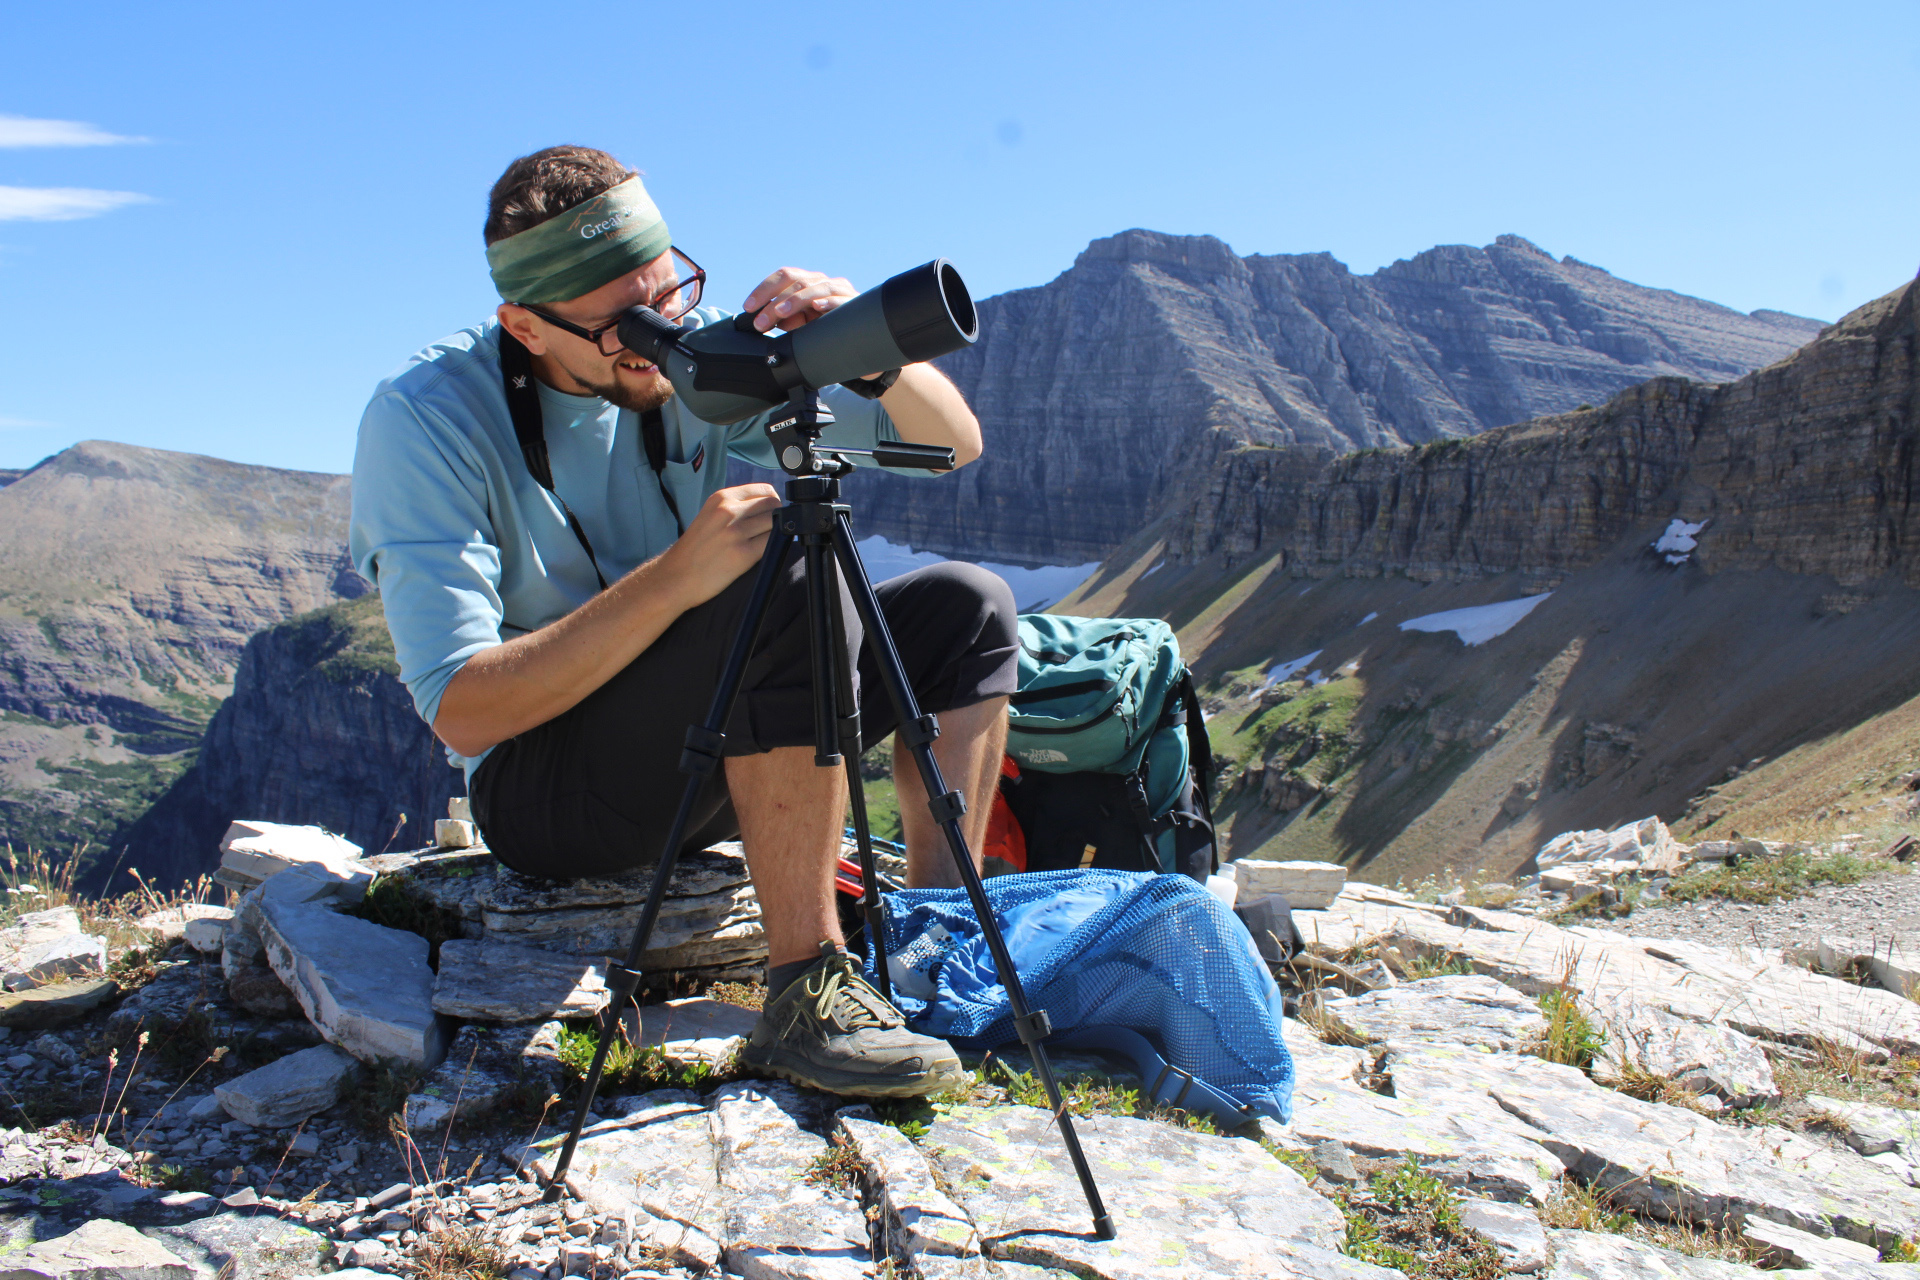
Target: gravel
1881,907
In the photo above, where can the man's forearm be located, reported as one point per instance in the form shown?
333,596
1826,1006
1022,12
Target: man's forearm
928,409
530,679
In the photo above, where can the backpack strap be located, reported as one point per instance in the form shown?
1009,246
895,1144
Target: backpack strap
1165,1083
523,406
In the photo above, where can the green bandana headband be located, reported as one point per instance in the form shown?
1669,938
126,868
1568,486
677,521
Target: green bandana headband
576,252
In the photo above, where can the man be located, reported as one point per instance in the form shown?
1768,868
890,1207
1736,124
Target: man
559,638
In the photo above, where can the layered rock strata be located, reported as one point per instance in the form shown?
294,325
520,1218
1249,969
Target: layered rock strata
1155,352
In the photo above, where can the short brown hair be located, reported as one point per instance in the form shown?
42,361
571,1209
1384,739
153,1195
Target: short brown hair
536,187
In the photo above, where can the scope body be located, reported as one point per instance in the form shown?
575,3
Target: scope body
728,370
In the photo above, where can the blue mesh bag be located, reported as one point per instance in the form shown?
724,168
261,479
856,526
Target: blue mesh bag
1105,953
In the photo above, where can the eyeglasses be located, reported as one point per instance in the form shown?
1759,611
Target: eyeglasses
672,302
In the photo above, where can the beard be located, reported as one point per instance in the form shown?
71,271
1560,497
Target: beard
653,393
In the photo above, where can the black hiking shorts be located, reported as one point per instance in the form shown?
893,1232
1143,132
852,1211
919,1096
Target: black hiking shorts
593,791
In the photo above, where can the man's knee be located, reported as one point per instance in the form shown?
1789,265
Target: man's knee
977,601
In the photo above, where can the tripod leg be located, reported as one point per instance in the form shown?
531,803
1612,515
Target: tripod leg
697,761
848,709
947,806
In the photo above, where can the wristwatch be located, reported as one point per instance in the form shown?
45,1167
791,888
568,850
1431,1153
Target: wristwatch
875,387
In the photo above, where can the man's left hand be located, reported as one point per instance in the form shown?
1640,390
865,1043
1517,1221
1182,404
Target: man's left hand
790,297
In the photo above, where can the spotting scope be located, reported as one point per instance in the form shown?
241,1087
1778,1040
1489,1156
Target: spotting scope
728,370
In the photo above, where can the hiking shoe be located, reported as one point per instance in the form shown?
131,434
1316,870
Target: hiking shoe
829,1030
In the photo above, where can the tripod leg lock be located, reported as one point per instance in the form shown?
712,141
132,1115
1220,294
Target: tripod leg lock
703,750
918,733
1033,1028
947,808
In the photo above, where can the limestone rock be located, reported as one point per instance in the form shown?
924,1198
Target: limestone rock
1454,1009
56,1004
1796,1248
366,988
1889,963
285,1092
692,1030
254,852
169,924
773,1221
1703,1057
1307,886
454,833
1186,1204
44,946
1873,1130
1591,1255
1514,1229
917,1216
1646,844
499,982
99,1250
207,931
247,1246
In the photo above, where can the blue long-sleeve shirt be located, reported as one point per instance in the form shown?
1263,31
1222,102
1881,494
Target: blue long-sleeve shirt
465,546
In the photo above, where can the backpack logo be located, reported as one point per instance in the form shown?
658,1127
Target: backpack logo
1043,755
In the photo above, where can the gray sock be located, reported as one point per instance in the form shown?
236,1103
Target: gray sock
782,976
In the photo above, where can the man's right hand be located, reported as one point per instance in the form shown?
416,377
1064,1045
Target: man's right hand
723,542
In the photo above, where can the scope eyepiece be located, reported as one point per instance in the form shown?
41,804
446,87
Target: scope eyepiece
648,334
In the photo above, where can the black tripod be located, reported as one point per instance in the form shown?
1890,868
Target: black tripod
822,523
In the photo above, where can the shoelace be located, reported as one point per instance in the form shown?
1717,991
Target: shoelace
845,998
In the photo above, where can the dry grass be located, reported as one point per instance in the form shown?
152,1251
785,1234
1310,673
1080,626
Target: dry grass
1579,1207
459,1253
1329,1029
33,881
1570,1038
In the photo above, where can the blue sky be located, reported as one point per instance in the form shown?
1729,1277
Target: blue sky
221,224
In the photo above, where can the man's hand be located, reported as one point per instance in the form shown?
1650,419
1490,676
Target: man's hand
791,297
723,542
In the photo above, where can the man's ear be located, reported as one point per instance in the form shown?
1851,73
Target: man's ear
519,322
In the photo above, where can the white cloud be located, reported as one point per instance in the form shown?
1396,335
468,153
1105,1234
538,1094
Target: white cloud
62,204
21,424
23,131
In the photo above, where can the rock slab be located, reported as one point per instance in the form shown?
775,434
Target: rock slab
283,1093
1307,886
496,981
55,1004
254,852
48,945
1465,1009
1513,1229
100,1250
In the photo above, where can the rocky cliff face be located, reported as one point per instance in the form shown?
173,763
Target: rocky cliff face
319,730
1105,390
130,579
1776,646
1807,466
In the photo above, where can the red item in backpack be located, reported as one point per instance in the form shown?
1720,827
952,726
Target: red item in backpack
1005,840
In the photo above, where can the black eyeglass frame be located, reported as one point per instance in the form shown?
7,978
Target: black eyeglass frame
692,285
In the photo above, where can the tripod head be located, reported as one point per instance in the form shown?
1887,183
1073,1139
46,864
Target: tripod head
794,431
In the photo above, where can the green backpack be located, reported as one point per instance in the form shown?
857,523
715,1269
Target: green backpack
1115,766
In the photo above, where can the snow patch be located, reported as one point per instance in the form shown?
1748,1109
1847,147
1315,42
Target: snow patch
1678,542
1364,621
1480,623
1033,589
1282,670
1158,566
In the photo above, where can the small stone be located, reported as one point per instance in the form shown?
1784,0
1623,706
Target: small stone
454,833
207,933
206,1108
100,1250
1307,886
53,1049
306,1142
1514,1229
1333,1162
364,1253
56,1004
20,1062
460,808
285,1092
392,1195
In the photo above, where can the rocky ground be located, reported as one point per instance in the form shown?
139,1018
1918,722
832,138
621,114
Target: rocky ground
1479,1093
1884,905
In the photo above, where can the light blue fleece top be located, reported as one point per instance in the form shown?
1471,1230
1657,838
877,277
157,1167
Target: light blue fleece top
465,546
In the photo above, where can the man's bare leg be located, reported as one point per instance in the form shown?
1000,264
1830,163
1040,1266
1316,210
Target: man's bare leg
971,742
791,814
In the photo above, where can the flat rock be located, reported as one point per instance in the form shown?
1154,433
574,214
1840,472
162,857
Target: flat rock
691,1030
1872,1130
207,933
247,1246
1186,1204
99,1250
289,1090
1702,1056
56,1004
1886,961
1456,1009
696,875
366,988
1513,1229
254,852
44,946
917,1217
170,923
1591,1255
1675,1165
1307,886
1796,1248
498,982
777,1225
1646,843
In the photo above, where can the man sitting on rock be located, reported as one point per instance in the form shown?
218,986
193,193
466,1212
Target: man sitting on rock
560,641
